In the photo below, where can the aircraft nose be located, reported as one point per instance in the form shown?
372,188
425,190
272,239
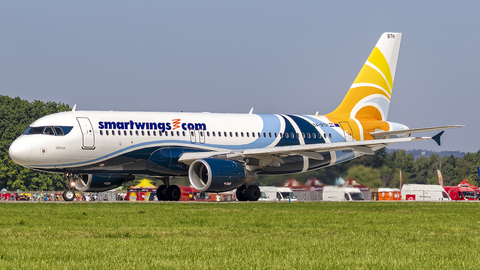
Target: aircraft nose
20,151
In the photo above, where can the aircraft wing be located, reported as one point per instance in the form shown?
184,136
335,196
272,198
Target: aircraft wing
385,134
311,150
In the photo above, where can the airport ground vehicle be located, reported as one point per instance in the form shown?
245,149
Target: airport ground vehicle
461,193
389,194
332,193
276,194
417,192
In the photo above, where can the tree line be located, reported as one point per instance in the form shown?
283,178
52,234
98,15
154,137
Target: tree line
379,170
15,116
383,170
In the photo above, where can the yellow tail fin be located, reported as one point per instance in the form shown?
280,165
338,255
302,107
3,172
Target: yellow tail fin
369,96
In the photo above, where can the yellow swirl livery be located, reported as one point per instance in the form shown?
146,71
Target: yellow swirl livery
99,150
365,107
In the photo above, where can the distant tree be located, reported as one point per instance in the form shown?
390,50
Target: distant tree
15,116
366,175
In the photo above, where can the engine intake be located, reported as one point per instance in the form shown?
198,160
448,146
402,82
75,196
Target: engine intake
218,175
101,182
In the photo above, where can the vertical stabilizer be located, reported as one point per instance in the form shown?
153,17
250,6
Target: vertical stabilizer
370,94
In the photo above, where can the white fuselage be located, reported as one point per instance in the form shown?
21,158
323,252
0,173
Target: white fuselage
122,141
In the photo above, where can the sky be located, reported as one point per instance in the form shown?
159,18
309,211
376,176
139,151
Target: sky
295,57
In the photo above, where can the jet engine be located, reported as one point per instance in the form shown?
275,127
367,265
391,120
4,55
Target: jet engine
218,175
100,182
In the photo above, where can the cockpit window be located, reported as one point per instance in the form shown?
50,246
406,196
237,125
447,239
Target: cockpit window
34,130
48,130
58,131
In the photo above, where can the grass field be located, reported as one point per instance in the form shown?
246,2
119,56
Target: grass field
323,235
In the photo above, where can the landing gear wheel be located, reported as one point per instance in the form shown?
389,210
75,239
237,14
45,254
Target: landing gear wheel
161,193
241,193
173,193
252,193
69,195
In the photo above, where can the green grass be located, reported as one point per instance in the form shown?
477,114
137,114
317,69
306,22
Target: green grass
369,235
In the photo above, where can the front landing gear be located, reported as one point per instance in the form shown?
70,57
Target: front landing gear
167,192
69,194
250,193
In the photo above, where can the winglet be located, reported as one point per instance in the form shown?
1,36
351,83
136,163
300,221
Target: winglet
436,138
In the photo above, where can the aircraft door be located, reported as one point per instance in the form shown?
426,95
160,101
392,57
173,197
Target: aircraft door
88,137
347,131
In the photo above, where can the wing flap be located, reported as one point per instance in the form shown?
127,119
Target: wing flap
311,150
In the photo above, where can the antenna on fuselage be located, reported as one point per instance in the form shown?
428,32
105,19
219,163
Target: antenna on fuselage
74,107
251,111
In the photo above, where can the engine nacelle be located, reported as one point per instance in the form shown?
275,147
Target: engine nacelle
101,182
218,175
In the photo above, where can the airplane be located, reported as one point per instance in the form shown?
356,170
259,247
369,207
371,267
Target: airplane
99,150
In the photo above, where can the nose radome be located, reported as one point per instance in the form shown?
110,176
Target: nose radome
20,151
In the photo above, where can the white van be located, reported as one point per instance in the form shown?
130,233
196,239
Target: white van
416,192
336,194
276,194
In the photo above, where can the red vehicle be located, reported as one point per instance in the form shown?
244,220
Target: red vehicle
461,193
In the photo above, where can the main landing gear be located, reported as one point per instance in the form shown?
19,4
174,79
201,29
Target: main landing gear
69,194
167,192
248,193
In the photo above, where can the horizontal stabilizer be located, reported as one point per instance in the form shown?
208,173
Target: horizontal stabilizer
436,138
383,134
